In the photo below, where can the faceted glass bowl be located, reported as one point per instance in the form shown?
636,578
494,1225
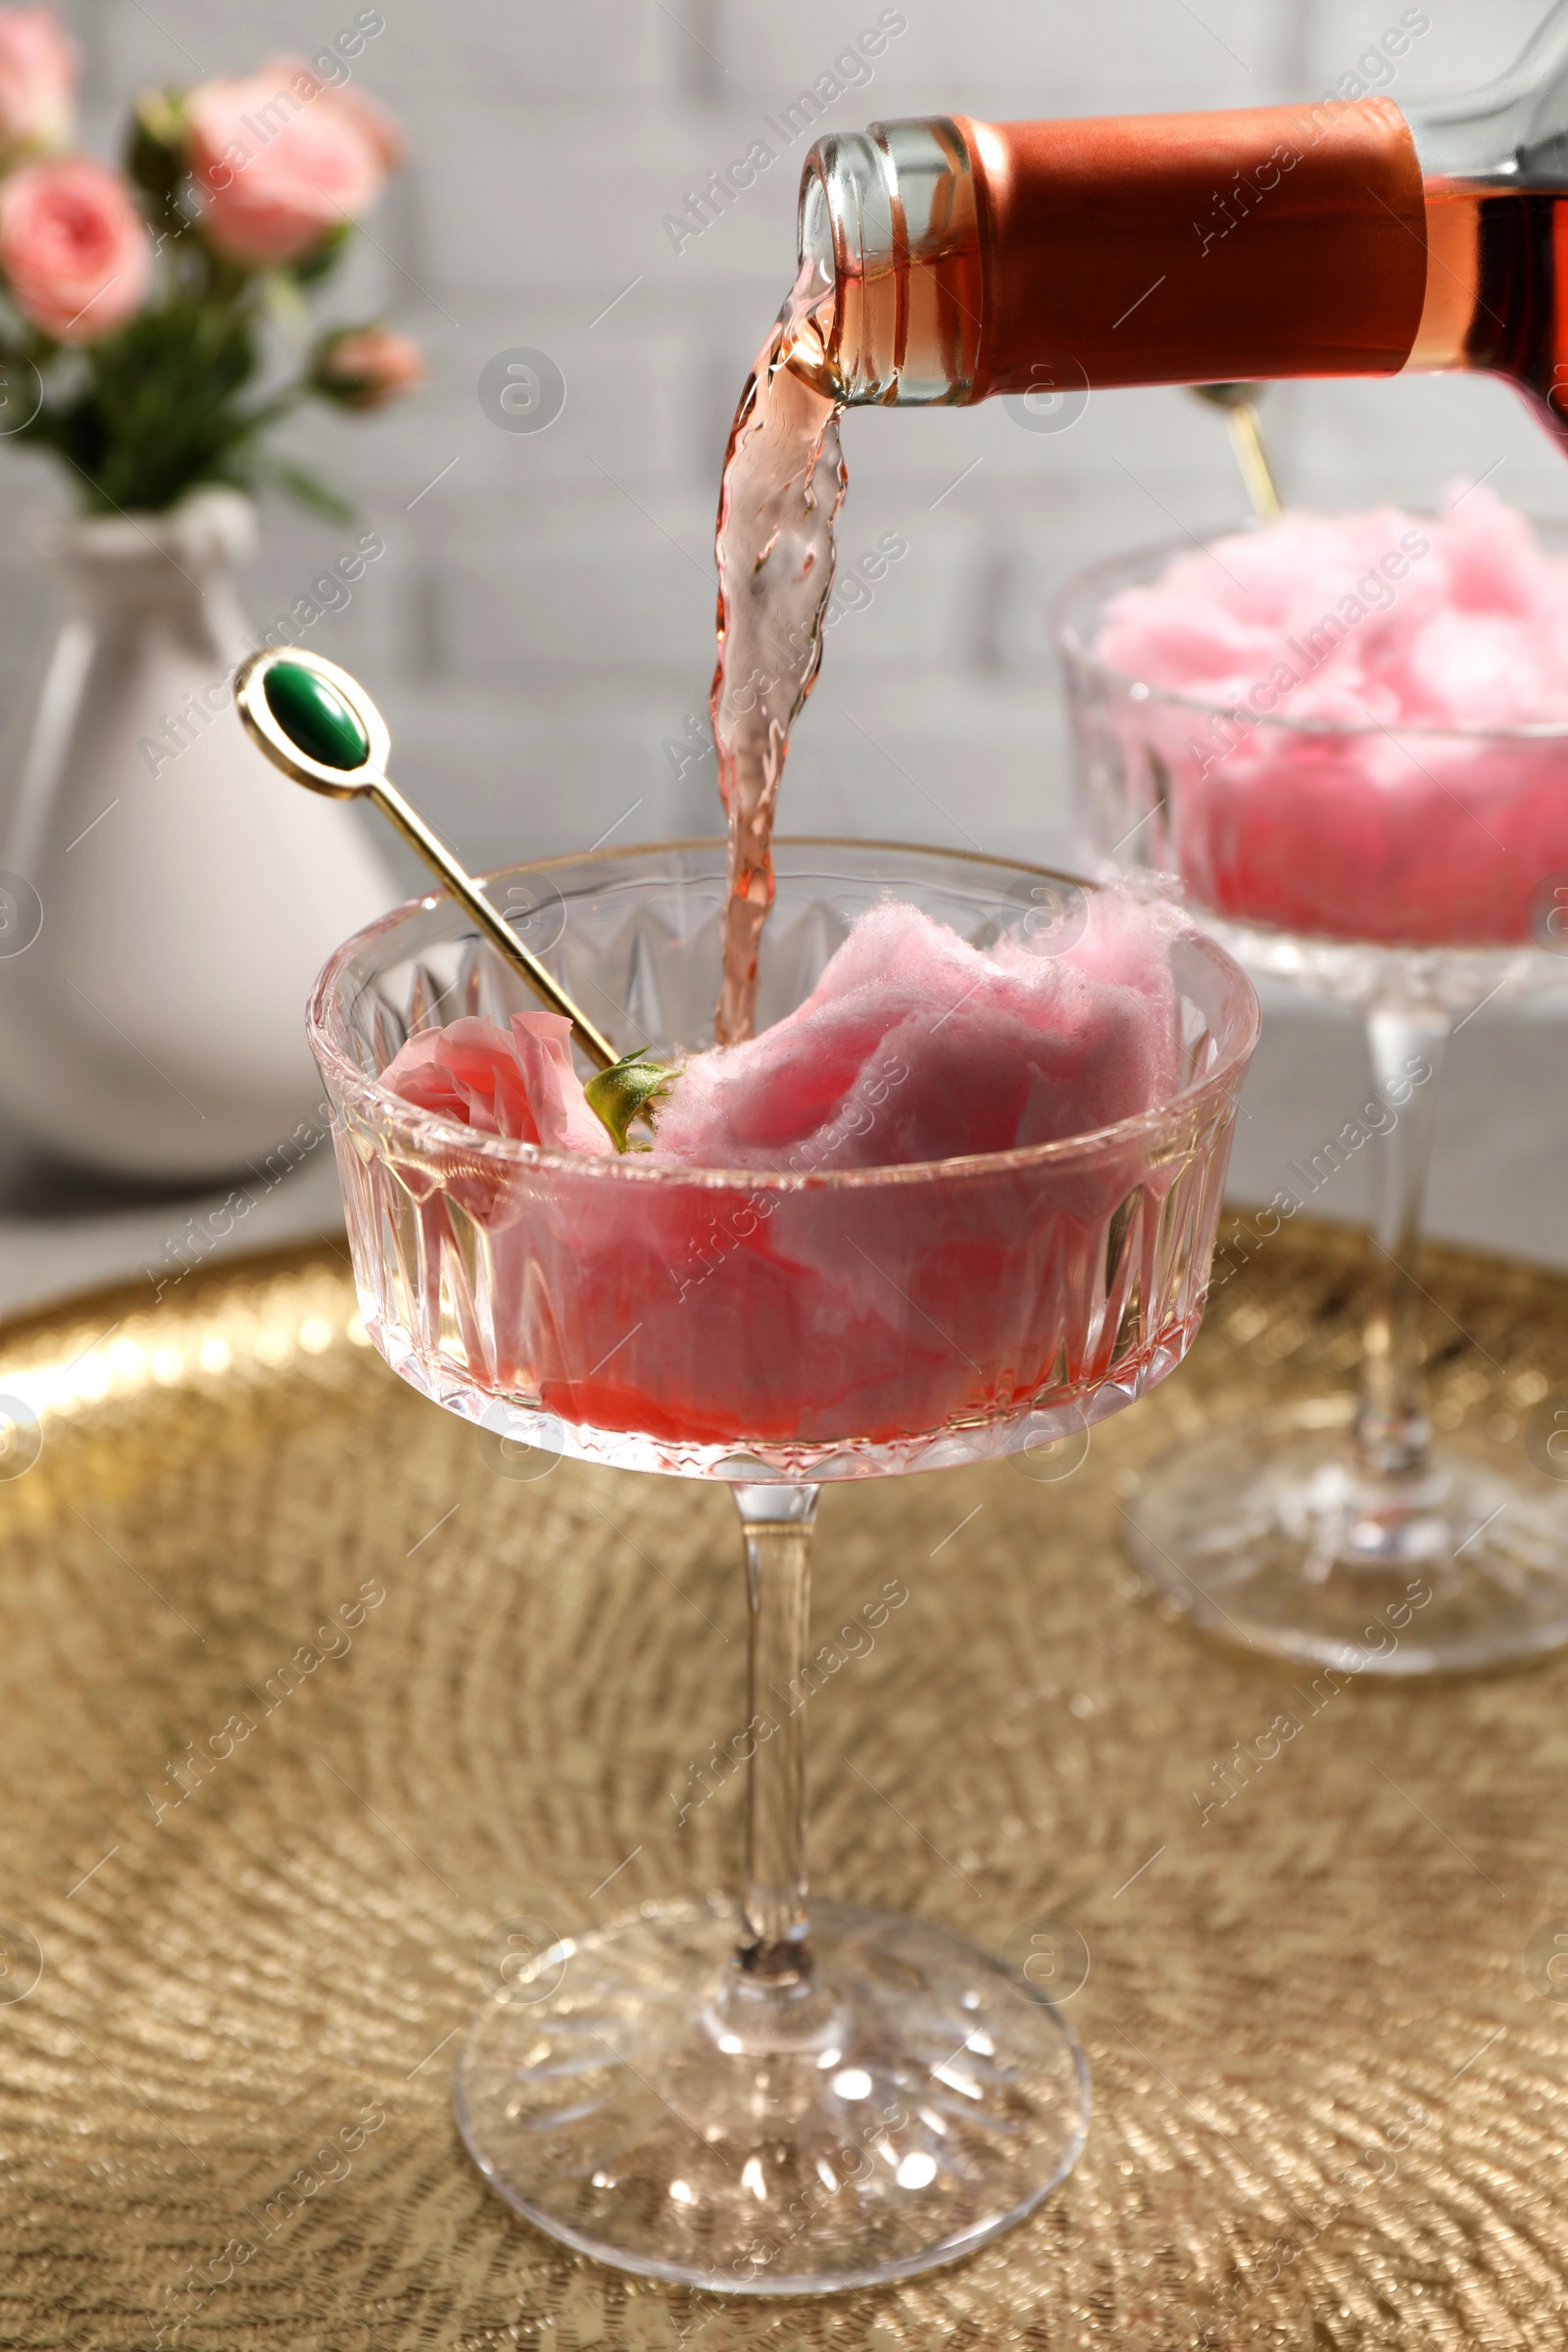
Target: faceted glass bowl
753,1325
1469,822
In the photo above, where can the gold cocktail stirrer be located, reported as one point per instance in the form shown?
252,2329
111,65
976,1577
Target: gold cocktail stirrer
1239,404
319,727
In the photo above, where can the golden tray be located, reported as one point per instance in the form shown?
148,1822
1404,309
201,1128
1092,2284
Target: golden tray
303,1695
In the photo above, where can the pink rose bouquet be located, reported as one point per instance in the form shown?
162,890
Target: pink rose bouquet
137,304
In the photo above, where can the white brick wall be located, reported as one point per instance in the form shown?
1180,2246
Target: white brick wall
554,589
542,620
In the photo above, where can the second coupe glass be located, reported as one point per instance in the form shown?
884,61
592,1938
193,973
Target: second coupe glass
1318,850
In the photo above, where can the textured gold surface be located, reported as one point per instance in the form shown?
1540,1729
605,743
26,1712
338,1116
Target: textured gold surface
1329,2103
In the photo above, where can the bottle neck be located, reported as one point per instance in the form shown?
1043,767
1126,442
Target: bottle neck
890,221
967,259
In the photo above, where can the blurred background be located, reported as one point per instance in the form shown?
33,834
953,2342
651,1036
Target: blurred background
539,631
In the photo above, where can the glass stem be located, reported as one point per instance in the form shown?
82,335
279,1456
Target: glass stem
1393,1434
777,1523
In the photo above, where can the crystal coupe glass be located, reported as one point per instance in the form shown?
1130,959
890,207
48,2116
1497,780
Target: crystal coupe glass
1414,873
749,2097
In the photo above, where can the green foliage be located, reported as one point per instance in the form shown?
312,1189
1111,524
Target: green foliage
151,412
155,157
311,267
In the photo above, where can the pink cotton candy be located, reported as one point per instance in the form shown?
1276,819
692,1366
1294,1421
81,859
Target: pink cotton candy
522,1086
1374,621
912,1045
1458,622
916,1046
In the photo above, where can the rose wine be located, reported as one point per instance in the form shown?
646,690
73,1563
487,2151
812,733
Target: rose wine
1497,257
782,487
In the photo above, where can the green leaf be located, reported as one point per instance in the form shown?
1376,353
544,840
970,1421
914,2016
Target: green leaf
323,259
154,145
307,487
627,1091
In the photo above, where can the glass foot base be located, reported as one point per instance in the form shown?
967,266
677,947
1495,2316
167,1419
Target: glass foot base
1265,1533
644,2101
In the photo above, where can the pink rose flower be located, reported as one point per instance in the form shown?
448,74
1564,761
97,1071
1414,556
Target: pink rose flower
522,1085
73,248
366,367
382,131
282,157
37,80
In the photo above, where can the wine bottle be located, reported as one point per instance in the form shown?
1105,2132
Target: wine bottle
959,258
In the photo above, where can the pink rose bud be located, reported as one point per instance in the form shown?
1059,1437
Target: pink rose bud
37,80
282,159
73,248
366,367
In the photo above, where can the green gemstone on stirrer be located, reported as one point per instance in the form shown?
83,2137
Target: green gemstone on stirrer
317,720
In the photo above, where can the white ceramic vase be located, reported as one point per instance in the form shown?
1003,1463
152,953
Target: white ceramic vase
167,895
